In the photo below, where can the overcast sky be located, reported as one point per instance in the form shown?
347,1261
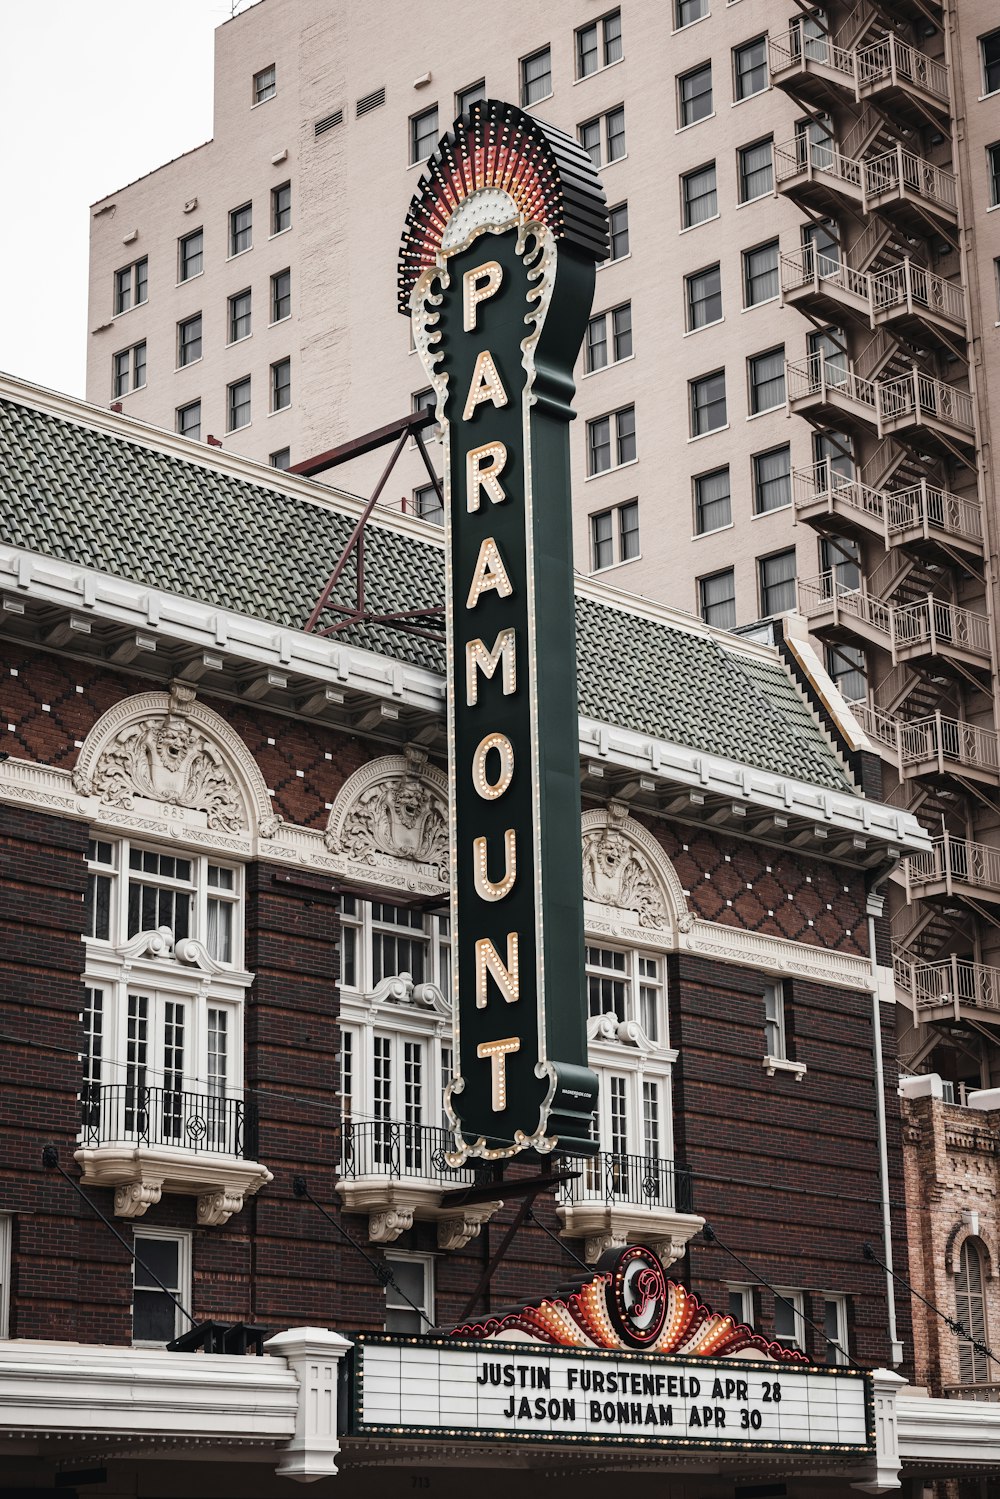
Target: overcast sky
95,93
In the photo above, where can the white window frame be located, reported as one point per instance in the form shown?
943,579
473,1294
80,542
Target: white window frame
200,886
776,1058
797,1299
395,1256
745,1293
841,1353
183,1239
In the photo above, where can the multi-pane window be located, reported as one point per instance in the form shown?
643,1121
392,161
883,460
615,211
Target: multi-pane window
848,671
828,354
766,380
189,340
840,563
835,1328
774,1020
346,1074
694,94
741,1306
699,195
717,599
970,1311
777,583
131,284
651,1120
161,1259
990,48
240,307
993,161
760,274
599,44
281,295
379,940
189,420
622,520
265,84
611,440
627,985
423,133
536,76
789,1321
703,297
238,404
191,255
101,867
756,169
686,11
772,479
132,889
281,459
821,242
609,338
240,229
618,231
608,128
281,207
833,455
750,67
427,504
414,1287
712,501
128,369
92,1054
707,402
466,97
281,384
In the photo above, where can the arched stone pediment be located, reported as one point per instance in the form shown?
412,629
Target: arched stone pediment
161,755
630,887
391,818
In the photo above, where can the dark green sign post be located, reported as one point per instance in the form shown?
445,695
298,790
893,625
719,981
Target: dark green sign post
497,274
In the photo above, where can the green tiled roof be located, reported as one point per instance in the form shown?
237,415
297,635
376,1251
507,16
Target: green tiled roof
91,497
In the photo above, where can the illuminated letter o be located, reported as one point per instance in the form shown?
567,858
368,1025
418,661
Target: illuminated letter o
491,790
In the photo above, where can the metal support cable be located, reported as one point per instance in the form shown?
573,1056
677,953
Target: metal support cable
529,1217
50,1160
958,1328
382,1273
711,1237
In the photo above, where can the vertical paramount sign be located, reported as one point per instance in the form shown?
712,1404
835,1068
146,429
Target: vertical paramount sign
497,275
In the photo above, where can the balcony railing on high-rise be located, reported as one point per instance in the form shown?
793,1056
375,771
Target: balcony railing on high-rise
129,1114
921,507
954,861
396,1151
955,981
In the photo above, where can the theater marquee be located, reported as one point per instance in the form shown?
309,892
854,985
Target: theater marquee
497,275
453,1388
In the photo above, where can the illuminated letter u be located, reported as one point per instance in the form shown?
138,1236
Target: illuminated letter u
486,889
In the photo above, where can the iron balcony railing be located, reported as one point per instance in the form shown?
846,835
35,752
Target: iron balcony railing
907,285
921,396
869,177
936,738
793,49
892,60
954,861
130,1114
883,403
636,1180
821,374
929,624
922,506
956,981
806,264
802,154
399,1152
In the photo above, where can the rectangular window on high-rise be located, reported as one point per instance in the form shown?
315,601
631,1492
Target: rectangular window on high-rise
241,229
717,599
750,68
712,501
990,49
777,583
699,196
239,316
694,94
760,274
536,77
756,169
708,403
772,480
703,297
766,380
281,295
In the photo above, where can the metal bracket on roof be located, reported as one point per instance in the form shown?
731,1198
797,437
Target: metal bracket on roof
412,425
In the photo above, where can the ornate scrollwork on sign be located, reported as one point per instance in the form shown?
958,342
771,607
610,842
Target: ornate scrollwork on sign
625,869
393,813
172,750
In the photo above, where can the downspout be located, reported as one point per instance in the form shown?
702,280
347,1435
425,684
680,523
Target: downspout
874,907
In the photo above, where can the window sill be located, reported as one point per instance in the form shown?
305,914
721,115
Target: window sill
188,364
767,89
612,366
775,510
768,411
682,128
764,302
188,279
597,72
235,255
715,531
125,311
605,263
688,24
542,99
280,411
615,468
287,319
234,341
772,1065
231,431
700,436
261,102
600,572
715,323
687,228
747,202
279,232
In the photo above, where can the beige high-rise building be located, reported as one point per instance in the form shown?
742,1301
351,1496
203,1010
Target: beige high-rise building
784,397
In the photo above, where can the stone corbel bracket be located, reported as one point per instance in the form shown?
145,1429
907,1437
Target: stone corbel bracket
140,1175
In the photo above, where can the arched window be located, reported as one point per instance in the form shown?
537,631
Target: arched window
970,1304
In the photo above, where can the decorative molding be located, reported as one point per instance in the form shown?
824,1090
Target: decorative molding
772,1065
612,1225
625,869
386,1226
160,944
392,815
161,750
313,1355
140,1174
402,991
458,1228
